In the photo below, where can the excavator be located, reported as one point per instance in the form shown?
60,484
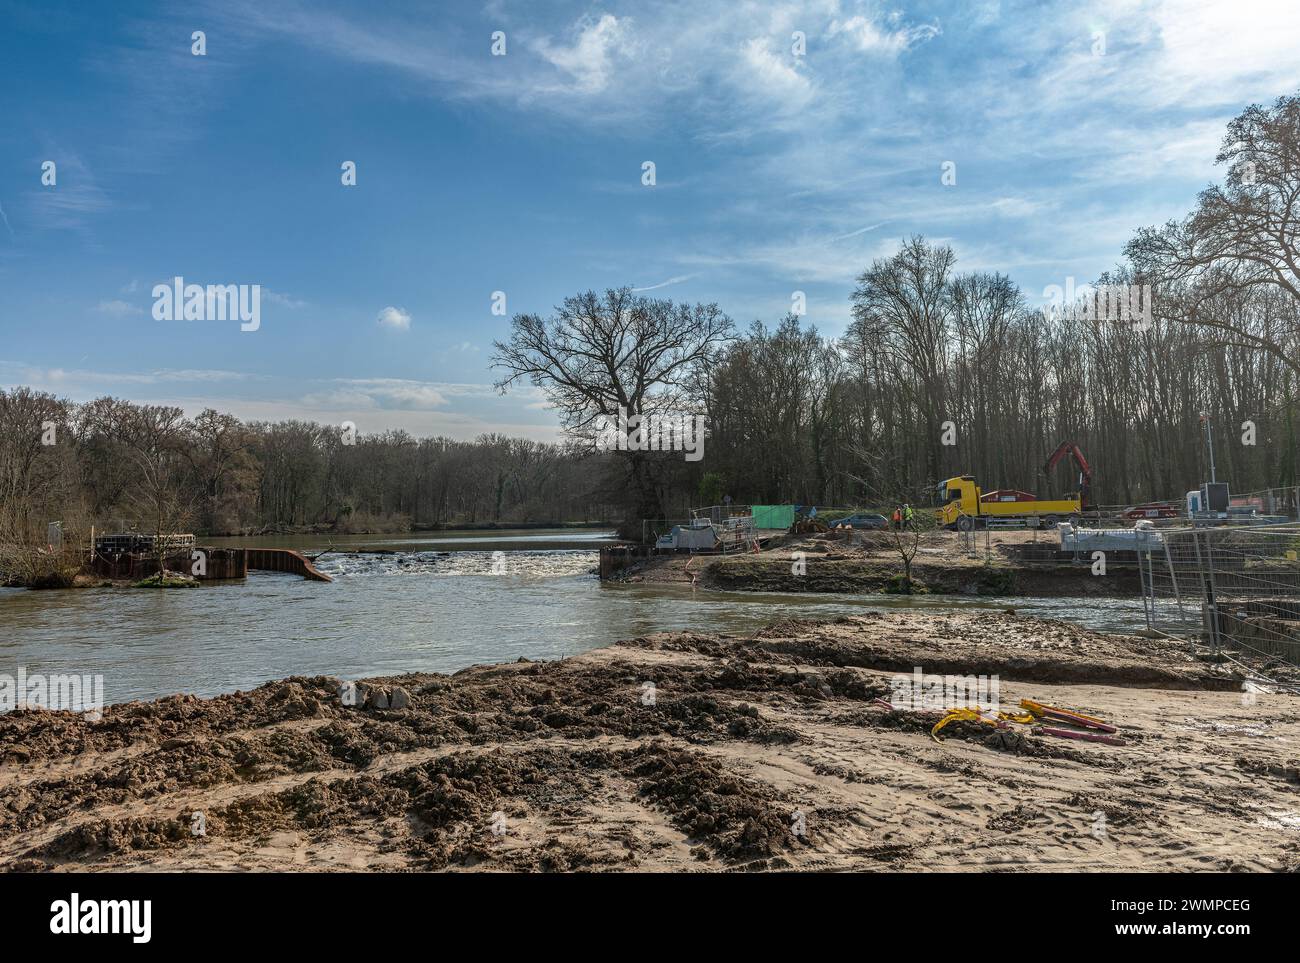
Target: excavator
964,506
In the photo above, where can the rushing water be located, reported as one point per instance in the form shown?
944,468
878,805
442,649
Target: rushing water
427,604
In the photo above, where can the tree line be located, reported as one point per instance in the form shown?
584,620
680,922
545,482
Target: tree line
939,372
119,465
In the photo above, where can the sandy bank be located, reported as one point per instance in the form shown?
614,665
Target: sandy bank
567,765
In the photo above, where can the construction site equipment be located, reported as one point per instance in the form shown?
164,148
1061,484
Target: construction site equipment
1077,734
1041,710
1151,510
1283,502
964,507
135,543
1085,727
998,720
1085,470
708,532
1085,541
698,536
809,526
1008,495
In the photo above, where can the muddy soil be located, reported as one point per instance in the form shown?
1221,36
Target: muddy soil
678,751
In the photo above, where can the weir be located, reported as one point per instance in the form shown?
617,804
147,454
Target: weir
285,560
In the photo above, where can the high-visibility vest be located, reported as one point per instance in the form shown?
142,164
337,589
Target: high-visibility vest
898,516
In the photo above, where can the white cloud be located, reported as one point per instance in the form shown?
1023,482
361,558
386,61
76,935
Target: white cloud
860,230
663,284
889,36
773,76
88,383
588,61
379,394
422,408
396,318
422,424
283,300
73,202
119,309
1226,52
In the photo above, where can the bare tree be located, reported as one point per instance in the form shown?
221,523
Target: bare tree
1243,236
906,540
217,449
598,354
907,300
164,491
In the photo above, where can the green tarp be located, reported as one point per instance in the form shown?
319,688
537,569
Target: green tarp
773,516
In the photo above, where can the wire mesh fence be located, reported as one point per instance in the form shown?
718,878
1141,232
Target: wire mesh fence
1234,588
1270,502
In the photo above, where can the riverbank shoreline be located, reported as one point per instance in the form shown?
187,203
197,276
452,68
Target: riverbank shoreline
326,531
676,751
868,564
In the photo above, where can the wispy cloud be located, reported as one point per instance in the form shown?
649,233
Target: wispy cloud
85,382
284,300
886,35
72,201
860,230
118,308
663,284
378,393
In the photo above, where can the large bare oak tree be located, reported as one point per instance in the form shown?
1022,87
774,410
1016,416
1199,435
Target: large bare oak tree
598,353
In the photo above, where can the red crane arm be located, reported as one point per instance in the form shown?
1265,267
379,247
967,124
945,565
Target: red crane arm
1071,449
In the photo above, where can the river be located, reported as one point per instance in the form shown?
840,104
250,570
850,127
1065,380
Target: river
429,603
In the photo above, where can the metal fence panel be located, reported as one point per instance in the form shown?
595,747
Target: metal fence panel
1233,587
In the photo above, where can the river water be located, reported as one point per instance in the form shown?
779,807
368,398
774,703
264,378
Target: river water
428,604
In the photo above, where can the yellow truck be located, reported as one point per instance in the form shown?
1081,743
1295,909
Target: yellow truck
964,506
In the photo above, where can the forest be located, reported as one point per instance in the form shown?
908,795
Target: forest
938,372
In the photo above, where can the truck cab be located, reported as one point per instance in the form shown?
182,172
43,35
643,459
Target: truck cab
957,497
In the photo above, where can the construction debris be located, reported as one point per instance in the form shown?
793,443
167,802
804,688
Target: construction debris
1089,728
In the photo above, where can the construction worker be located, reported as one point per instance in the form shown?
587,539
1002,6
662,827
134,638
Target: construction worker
898,517
908,515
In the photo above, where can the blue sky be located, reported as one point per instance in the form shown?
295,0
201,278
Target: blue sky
523,173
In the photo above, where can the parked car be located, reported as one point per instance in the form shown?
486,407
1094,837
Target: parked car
863,520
